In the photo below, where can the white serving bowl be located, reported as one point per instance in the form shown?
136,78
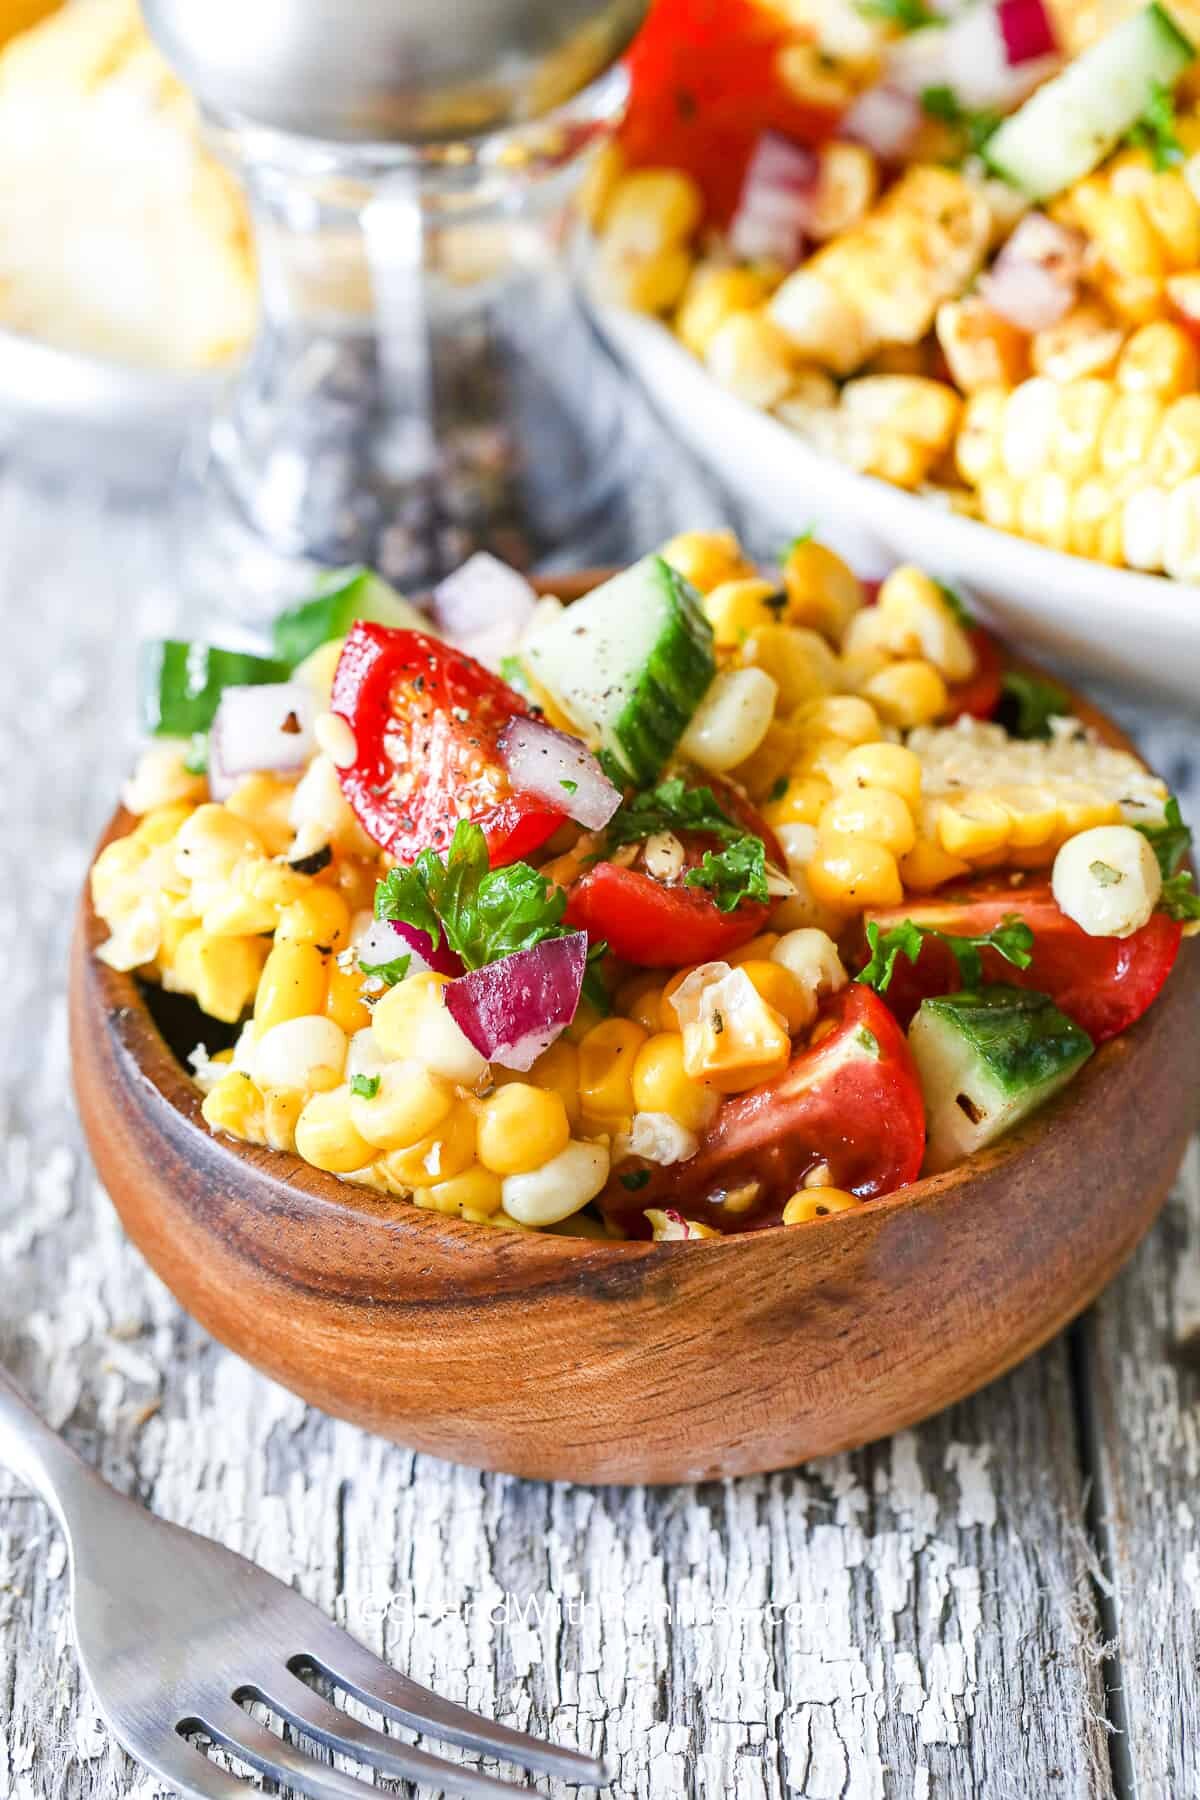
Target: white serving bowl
1141,630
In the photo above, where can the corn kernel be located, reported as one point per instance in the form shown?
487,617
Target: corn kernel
1129,433
889,766
780,989
320,917
846,717
919,621
222,973
758,949
1159,359
474,1193
235,1105
651,210
798,660
1045,510
410,1021
660,1083
281,1110
713,295
640,999
265,802
972,825
606,1059
160,825
446,1151
977,447
982,350
800,803
605,167
814,77
752,357
738,607
874,813
407,1105
344,1003
732,1039
707,558
818,1203
212,841
1176,452
731,720
325,1134
305,1053
908,694
846,187
774,759
650,284
557,1070
1181,544
520,1127
851,874
823,591
294,983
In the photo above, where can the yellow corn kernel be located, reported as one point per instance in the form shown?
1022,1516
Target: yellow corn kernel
973,825
400,1016
650,284
800,803
1045,509
159,826
850,874
606,1059
640,999
557,1070
1125,239
889,766
447,1151
928,866
222,973
982,350
1159,359
820,758
1170,206
713,295
320,916
818,1203
798,660
325,1134
1129,433
707,558
1093,508
294,984
846,187
919,621
736,1047
781,990
1176,452
651,210
281,1110
907,694
977,447
823,591
235,1105
344,1003
1083,410
473,1194
898,460
265,802
846,717
999,501
774,758
870,812
737,608
661,1084
815,77
1082,808
752,357
212,841
757,950
520,1127
174,929
406,1106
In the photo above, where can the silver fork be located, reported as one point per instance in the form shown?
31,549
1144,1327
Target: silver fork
176,1634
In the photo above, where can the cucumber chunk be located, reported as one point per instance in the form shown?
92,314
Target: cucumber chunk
629,664
344,596
1069,126
987,1060
180,683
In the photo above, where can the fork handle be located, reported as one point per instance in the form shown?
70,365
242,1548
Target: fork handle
37,1455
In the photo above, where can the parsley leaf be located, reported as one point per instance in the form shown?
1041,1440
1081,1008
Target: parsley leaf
802,537
390,973
956,603
671,806
365,1086
1179,899
512,670
1156,130
906,15
572,787
736,873
484,913
1029,703
1012,939
944,104
1169,841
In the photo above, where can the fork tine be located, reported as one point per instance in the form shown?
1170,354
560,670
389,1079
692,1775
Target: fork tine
243,1736
183,1767
347,1663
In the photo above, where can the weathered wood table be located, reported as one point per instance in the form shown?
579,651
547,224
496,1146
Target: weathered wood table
1003,1603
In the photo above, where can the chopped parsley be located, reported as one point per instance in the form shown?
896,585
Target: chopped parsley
1157,130
365,1086
390,973
1169,841
1012,939
571,787
1179,899
943,104
1103,874
636,1178
1028,703
735,872
905,15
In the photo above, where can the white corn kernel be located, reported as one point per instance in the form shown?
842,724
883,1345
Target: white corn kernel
1181,546
1107,880
559,1188
1144,529
732,719
752,357
1029,420
656,1138
336,738
308,1054
364,1056
161,778
812,957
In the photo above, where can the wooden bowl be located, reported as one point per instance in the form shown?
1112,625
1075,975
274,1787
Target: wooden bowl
567,1358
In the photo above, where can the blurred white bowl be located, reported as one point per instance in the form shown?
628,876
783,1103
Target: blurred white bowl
1142,630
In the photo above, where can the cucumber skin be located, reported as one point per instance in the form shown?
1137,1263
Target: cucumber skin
1020,1038
993,159
354,593
180,684
673,681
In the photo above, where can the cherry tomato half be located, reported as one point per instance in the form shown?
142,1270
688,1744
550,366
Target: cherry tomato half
426,719
979,696
852,1101
1104,984
666,924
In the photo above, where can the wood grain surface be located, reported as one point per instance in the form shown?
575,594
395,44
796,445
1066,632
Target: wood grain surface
945,1630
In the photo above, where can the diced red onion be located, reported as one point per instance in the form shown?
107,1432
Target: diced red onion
386,939
1027,30
774,208
1034,281
483,608
885,119
558,769
265,728
514,1009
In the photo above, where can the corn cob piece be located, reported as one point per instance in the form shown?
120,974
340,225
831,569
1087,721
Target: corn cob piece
882,282
1143,226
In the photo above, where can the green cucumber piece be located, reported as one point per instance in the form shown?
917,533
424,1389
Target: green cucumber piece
344,596
180,684
629,663
1070,125
986,1061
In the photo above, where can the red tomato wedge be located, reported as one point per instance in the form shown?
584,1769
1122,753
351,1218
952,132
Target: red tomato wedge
1104,984
666,925
426,719
978,697
852,1101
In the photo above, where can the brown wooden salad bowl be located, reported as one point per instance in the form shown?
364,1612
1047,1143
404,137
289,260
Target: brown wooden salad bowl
569,1358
